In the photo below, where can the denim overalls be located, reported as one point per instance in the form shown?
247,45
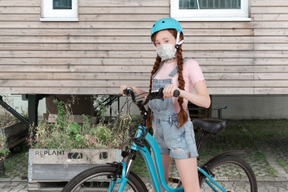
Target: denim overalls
179,143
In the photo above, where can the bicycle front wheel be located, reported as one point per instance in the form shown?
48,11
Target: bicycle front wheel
103,178
232,173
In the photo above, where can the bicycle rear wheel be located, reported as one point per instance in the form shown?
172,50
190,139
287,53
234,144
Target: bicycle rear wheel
230,172
100,179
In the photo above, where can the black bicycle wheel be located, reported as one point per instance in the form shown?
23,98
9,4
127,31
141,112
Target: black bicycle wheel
99,179
230,172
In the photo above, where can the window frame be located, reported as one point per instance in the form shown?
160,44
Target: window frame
50,14
210,14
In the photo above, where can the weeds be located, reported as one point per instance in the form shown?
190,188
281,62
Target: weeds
281,162
66,134
6,120
3,150
273,171
259,157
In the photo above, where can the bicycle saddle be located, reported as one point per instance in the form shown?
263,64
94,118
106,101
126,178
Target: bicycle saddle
210,126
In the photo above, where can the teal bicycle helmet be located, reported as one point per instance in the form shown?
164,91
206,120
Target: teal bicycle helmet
167,23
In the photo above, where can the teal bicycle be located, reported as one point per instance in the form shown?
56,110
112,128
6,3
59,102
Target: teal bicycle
224,172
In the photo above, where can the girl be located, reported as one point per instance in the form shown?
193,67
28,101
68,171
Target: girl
173,129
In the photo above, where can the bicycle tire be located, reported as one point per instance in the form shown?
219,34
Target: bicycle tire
244,181
87,180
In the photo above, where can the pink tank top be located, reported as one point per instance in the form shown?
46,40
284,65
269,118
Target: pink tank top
192,74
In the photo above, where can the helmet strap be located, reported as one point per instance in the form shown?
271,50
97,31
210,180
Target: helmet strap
177,41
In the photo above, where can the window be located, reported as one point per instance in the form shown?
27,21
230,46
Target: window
62,4
210,10
59,10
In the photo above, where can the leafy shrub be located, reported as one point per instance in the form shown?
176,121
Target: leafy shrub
66,134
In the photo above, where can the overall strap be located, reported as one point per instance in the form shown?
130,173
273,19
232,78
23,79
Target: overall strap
175,70
186,59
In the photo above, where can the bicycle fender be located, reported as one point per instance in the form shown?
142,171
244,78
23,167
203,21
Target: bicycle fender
221,155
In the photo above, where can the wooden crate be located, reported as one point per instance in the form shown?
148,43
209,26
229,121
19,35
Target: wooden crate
16,134
61,166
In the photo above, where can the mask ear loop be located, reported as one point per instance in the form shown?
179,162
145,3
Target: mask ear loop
177,41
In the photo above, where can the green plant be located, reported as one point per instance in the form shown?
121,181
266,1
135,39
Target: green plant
3,150
66,134
273,171
124,127
281,162
100,107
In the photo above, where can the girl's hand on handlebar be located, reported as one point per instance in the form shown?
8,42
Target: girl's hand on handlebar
169,90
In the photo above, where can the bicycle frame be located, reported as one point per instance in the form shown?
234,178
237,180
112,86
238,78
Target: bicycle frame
151,168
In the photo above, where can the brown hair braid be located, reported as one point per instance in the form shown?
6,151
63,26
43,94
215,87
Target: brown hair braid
182,116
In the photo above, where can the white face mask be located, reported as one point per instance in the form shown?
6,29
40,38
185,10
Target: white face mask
166,51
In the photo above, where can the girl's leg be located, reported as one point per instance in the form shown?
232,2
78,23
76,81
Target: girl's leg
166,162
188,173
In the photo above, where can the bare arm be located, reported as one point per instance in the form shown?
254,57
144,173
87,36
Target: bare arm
200,98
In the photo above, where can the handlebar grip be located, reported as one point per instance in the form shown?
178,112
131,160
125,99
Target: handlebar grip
176,93
127,91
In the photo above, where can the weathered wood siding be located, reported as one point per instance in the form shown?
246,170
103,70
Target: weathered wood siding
110,46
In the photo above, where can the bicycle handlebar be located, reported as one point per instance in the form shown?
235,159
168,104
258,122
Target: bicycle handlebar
158,94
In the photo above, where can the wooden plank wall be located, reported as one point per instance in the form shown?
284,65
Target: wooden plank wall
110,46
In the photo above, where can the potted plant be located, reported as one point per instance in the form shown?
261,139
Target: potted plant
62,149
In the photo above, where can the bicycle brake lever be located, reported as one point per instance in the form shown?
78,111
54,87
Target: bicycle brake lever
136,140
127,91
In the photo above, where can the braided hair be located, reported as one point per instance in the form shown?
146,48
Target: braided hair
182,116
